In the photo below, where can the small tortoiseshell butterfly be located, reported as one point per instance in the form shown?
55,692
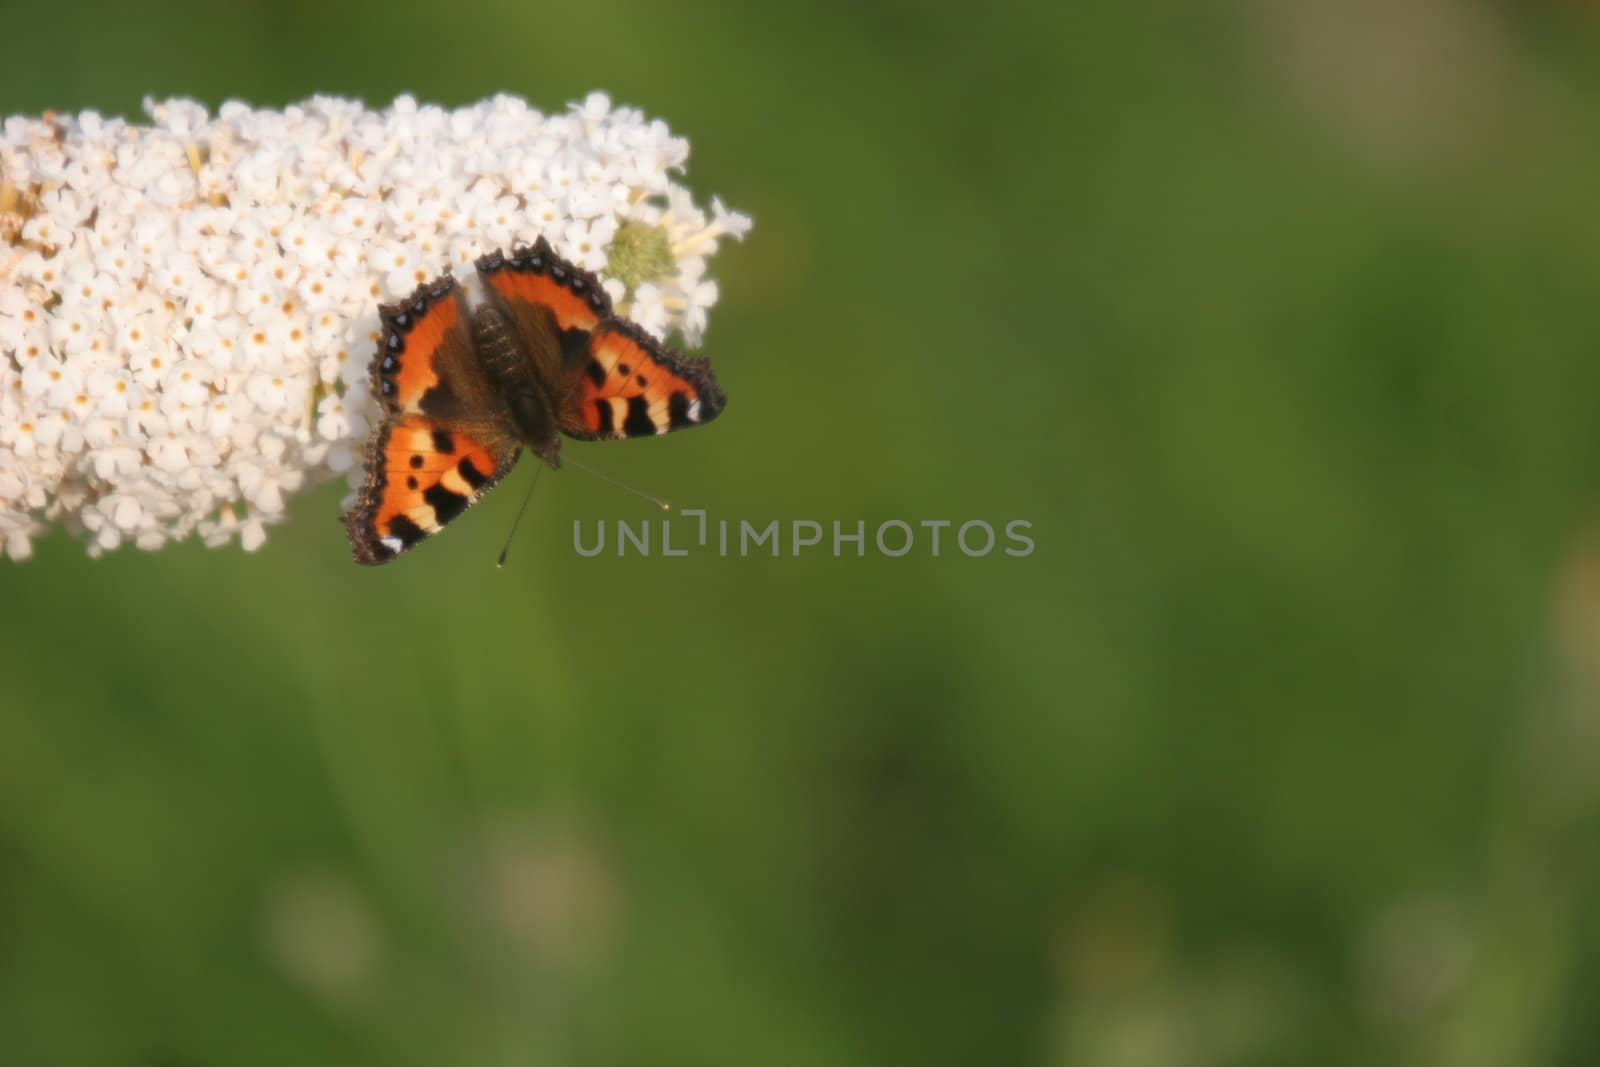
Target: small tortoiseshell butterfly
464,389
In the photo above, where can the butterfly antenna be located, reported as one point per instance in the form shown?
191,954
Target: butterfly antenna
657,501
501,562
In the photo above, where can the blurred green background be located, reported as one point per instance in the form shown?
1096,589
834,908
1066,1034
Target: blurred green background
1275,319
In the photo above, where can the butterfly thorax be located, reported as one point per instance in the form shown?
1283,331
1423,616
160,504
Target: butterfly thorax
506,363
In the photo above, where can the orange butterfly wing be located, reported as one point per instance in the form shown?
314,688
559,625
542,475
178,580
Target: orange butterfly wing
446,437
421,473
609,379
425,364
538,277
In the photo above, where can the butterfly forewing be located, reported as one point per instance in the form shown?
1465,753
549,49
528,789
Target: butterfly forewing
630,385
551,303
425,363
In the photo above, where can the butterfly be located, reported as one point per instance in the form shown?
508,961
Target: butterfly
465,388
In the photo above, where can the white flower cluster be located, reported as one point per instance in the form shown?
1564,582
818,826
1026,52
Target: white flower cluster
188,308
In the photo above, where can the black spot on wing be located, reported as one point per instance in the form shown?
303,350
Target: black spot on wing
445,504
603,409
575,346
678,410
469,473
597,373
443,442
438,401
639,423
407,531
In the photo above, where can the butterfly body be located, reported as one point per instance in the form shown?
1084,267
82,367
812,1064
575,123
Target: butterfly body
465,389
529,406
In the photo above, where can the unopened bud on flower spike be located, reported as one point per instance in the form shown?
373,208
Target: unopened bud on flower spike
188,308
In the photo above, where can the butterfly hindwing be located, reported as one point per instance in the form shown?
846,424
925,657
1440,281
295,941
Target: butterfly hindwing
425,364
421,473
629,385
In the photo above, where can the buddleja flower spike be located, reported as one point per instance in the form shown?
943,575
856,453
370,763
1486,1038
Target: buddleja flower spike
188,308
